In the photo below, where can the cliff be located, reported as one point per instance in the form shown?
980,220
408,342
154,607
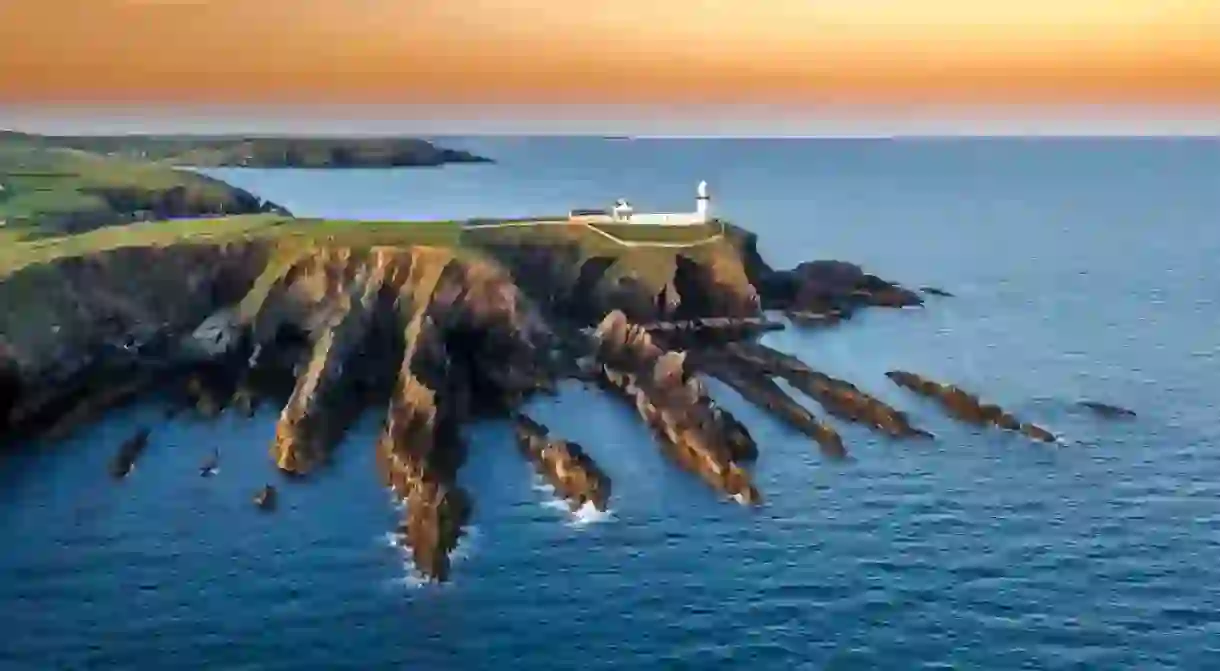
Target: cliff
436,325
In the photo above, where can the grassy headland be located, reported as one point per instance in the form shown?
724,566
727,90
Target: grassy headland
60,202
17,252
57,191
206,151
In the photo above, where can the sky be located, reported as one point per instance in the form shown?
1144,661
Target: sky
530,54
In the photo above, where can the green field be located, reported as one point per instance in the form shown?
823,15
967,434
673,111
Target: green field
48,190
17,251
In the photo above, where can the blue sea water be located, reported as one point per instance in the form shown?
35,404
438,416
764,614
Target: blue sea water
1084,269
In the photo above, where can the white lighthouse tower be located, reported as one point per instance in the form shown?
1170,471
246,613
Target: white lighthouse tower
703,203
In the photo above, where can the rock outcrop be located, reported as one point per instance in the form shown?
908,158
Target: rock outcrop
73,327
761,390
420,450
564,465
472,344
691,429
831,288
967,407
840,398
340,293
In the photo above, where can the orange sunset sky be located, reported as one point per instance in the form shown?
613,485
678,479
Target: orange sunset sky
639,51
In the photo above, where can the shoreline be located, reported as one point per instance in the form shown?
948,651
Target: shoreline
440,324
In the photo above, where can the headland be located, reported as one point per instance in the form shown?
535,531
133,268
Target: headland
436,324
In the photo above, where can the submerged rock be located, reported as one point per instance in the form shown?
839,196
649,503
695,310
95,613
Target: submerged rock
210,466
129,452
934,291
564,465
1106,410
266,498
966,407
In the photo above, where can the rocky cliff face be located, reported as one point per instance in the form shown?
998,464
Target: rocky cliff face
690,427
69,329
645,284
564,465
436,337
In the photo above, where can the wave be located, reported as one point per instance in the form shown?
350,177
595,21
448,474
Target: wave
583,516
412,578
589,514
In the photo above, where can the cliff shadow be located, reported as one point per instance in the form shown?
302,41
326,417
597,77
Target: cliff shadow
10,391
702,293
580,302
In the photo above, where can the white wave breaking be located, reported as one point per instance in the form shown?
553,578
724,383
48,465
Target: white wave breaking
589,514
583,516
412,578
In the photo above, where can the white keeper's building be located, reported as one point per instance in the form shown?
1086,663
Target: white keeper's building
624,213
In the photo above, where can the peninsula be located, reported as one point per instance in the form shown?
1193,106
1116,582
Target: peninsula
70,184
256,151
433,325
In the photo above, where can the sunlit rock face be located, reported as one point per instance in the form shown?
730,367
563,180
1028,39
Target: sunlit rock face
693,431
564,465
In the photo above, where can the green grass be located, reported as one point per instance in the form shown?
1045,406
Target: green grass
51,190
20,253
17,253
54,180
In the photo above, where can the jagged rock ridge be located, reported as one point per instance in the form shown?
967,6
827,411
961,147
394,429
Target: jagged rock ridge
564,465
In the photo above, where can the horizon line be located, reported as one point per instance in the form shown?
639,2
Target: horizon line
634,121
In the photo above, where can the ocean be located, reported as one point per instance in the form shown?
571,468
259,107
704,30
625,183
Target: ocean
1083,269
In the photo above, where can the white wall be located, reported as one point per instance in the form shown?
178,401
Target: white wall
647,218
666,218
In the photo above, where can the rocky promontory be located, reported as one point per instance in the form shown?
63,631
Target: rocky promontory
967,407
433,328
564,465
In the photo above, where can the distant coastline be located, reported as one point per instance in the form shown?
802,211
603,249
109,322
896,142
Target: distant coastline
57,184
257,151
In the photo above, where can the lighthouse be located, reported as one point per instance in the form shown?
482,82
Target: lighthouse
703,203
